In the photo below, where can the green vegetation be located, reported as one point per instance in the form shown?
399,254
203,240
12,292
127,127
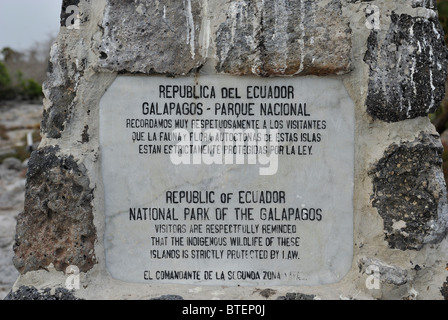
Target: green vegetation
20,89
6,90
29,89
21,78
21,75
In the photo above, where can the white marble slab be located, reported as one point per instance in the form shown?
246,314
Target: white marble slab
228,240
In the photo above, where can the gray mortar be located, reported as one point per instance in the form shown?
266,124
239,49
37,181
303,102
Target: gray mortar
61,95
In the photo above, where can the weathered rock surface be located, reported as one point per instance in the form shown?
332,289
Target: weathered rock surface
444,289
31,293
430,4
59,90
409,193
284,38
57,223
387,273
408,69
258,37
151,36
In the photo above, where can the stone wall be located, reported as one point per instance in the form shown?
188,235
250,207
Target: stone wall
392,59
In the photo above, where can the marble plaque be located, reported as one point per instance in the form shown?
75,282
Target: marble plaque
224,180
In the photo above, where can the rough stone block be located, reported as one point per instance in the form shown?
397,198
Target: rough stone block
271,38
31,293
409,193
408,69
57,223
151,36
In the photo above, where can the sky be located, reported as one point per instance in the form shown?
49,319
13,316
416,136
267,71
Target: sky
25,22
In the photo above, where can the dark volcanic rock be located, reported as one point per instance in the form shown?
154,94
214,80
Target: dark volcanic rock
410,194
31,293
57,223
408,69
